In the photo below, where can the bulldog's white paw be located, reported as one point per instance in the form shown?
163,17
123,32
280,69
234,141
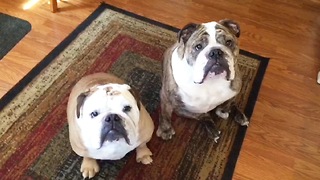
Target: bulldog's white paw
216,139
145,160
223,115
89,168
144,155
243,121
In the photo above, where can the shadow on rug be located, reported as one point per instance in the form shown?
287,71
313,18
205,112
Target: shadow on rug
12,30
34,132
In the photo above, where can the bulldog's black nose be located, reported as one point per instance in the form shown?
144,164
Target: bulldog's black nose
215,53
112,117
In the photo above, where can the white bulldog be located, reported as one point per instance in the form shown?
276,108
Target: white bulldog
106,121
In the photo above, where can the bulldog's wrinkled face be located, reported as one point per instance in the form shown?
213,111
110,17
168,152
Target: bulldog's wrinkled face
107,113
210,48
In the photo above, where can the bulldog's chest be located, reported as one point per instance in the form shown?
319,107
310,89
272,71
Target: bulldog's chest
112,150
201,98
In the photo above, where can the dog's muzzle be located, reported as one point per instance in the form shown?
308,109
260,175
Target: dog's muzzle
216,65
113,129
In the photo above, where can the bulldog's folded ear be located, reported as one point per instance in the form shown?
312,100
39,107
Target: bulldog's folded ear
80,100
231,25
136,96
185,33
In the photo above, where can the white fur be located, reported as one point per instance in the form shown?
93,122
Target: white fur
105,105
199,98
219,113
199,65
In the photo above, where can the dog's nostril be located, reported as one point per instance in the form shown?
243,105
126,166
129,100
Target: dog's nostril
211,54
117,118
108,119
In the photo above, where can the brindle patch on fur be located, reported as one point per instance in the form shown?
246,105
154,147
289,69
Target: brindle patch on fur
223,35
199,37
236,83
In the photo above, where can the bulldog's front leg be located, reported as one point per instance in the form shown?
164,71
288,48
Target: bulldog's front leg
165,129
240,117
143,154
230,109
89,167
212,130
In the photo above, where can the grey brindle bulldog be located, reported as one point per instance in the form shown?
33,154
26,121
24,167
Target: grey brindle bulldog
200,75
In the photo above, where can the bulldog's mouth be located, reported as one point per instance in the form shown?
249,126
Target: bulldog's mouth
114,135
215,74
215,71
113,130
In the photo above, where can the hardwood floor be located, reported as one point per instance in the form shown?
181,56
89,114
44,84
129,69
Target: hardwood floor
283,140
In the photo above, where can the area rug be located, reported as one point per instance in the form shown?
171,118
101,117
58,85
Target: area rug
12,30
34,132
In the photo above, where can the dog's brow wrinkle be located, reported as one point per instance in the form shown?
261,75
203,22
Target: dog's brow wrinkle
116,93
203,32
111,92
108,89
206,33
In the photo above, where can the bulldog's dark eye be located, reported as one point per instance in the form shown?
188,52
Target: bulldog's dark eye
228,43
126,108
94,114
198,47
